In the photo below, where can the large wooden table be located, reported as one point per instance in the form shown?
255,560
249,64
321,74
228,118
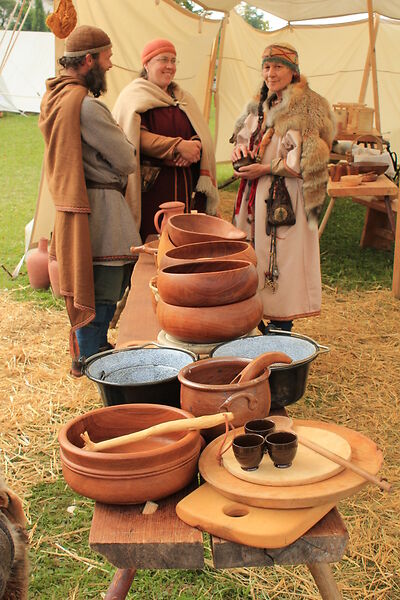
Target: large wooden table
130,540
381,197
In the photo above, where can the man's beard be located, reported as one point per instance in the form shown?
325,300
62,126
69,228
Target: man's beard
95,80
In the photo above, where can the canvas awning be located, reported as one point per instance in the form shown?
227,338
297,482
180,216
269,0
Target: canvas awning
300,10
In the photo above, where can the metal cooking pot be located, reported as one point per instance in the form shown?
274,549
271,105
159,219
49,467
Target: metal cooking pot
287,382
142,374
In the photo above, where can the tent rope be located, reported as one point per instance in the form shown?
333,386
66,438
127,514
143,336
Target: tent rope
9,21
15,35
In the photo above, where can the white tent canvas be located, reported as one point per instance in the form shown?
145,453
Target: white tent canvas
31,62
333,57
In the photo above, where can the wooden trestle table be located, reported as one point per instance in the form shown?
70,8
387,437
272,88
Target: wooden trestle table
381,197
130,540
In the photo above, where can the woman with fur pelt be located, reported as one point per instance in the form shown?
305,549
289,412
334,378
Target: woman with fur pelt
288,131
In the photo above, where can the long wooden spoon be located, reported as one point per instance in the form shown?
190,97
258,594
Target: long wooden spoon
259,364
204,422
384,485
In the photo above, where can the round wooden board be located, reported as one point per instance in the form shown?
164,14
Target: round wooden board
364,453
307,467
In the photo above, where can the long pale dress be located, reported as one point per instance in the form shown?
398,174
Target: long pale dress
298,288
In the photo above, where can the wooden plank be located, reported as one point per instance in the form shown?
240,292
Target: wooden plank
325,542
129,539
381,187
138,323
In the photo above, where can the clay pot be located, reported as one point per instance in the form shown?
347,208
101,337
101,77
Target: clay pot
198,227
146,470
37,266
207,283
167,210
222,250
164,245
210,323
206,389
54,278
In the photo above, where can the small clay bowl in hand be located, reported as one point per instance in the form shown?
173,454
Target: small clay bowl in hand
262,427
248,450
282,448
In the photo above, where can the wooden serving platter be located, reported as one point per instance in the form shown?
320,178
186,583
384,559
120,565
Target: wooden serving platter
307,466
210,511
364,453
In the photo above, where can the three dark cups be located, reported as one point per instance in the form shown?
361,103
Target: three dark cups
260,437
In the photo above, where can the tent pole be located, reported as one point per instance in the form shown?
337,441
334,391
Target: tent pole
216,97
213,58
373,65
367,67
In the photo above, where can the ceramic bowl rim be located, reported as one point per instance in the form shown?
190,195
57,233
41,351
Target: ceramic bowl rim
224,386
66,444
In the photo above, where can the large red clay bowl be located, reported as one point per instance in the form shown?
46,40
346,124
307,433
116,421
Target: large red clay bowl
209,324
198,227
221,250
146,470
207,283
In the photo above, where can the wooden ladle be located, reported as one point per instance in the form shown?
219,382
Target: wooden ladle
259,364
384,485
204,422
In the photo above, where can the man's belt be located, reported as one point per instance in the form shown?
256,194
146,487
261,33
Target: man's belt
95,185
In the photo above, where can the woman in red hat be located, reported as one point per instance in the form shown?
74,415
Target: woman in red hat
176,150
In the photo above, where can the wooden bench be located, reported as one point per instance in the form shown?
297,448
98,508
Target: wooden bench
130,540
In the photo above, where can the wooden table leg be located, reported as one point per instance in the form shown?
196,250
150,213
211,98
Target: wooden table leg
120,584
326,217
326,584
396,259
390,214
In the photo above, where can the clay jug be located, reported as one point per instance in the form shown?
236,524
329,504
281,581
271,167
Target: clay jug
167,210
37,266
54,279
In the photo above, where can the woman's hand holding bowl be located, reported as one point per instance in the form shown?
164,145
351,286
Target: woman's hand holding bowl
253,171
240,151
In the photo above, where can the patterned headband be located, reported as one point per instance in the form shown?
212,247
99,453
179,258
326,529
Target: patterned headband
285,55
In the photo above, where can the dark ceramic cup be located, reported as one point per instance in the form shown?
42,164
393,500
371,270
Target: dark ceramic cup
248,450
282,448
261,426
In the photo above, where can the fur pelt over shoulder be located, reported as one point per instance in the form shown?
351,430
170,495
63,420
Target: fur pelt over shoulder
305,111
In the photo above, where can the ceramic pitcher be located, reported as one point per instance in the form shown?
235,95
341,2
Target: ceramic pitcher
167,210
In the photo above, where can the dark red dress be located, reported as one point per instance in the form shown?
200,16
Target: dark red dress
172,183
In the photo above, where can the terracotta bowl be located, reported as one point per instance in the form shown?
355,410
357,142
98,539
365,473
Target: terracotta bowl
207,283
198,227
147,470
222,250
206,389
208,324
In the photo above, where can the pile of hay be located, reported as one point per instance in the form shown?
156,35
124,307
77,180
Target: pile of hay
357,384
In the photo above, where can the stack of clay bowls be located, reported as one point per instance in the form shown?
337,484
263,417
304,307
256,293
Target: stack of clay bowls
208,301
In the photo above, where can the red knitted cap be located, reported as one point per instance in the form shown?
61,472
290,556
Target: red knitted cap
156,47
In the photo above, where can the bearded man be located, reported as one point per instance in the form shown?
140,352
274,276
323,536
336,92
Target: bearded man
87,162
